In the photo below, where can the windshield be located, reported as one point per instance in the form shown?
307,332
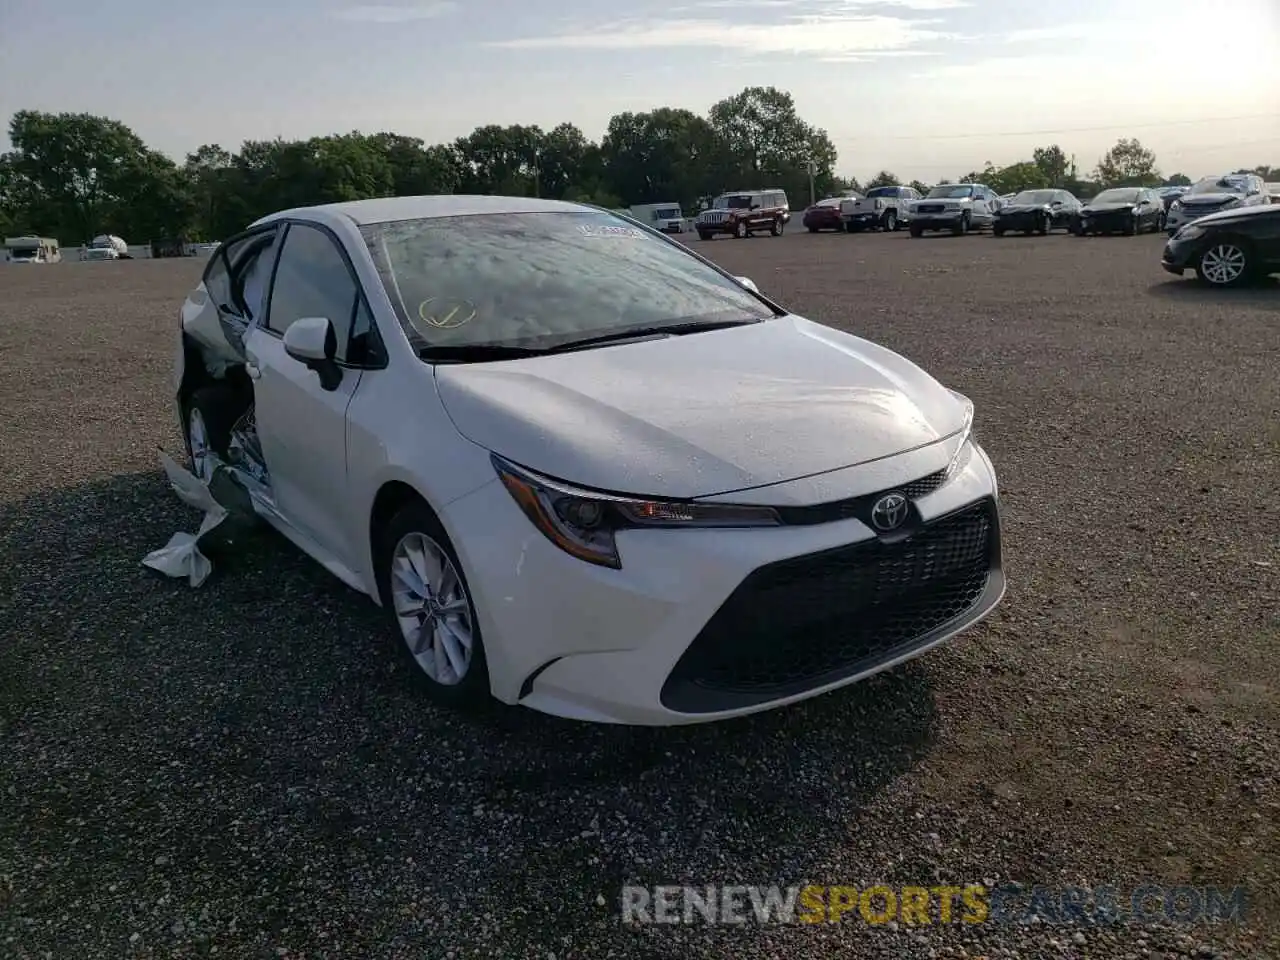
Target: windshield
1118,195
1035,196
737,201
538,280
883,192
23,253
667,213
950,191
1218,185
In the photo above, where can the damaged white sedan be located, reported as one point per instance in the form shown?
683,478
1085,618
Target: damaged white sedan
584,469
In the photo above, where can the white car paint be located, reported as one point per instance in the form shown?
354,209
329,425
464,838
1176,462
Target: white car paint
783,413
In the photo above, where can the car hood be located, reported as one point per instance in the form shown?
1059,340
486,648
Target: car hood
1109,207
945,200
1023,207
702,414
1208,199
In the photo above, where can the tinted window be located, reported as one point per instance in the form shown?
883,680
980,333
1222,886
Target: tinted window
882,192
1118,195
951,191
312,280
538,279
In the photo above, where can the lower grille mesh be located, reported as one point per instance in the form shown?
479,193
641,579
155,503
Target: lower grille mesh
803,622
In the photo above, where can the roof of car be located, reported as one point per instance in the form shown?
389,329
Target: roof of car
386,209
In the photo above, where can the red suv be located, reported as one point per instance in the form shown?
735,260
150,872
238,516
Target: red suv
743,212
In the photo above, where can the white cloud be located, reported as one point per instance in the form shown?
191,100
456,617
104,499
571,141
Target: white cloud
818,35
1067,31
396,14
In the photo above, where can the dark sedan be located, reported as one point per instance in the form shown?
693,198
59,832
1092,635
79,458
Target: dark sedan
1038,211
825,214
1127,210
1227,249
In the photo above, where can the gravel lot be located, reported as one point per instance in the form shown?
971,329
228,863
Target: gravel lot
246,770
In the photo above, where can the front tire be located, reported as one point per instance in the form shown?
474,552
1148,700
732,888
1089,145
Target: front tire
740,230
916,231
1228,263
1043,229
961,228
426,594
776,228
891,221
704,235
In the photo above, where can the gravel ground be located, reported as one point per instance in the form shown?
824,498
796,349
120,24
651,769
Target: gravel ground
245,770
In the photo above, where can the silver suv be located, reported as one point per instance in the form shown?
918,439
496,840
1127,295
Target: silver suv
1213,194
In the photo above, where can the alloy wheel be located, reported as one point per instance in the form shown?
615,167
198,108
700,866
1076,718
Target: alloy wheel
1223,264
432,608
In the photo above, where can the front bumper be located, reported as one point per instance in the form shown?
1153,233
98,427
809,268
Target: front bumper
1106,222
702,625
944,220
1020,221
1180,255
726,226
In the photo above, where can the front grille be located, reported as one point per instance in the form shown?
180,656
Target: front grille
859,507
712,216
804,622
932,208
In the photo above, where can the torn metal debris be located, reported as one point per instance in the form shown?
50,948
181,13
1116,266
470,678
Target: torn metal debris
229,518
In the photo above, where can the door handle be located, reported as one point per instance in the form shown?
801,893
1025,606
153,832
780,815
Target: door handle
253,370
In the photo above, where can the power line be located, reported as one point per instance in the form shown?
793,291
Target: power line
1061,130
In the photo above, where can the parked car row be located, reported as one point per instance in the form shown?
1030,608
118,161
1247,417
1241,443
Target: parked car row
961,208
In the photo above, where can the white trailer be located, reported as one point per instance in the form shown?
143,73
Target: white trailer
31,250
666,217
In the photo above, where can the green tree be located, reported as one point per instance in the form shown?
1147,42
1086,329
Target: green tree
883,179
70,171
920,186
501,160
1052,162
1177,180
769,145
1128,164
1017,177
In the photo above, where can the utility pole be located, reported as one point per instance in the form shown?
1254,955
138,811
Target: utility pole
813,196
537,172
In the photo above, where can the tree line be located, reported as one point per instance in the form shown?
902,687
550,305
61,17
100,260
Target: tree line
75,175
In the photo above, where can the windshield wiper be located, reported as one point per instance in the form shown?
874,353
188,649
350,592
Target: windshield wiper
636,333
476,353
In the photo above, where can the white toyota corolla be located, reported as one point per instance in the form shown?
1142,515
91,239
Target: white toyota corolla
583,468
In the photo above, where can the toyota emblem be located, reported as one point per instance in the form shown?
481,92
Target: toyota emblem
889,512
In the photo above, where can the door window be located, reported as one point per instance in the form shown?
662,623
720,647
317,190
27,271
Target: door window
236,276
313,280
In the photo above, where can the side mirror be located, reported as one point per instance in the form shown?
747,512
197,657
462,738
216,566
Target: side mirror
755,206
313,343
748,283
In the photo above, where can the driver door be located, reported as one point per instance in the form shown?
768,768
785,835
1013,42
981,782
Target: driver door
302,427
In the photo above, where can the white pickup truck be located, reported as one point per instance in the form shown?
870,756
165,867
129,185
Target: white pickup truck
883,208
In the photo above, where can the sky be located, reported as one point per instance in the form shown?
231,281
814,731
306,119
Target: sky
928,89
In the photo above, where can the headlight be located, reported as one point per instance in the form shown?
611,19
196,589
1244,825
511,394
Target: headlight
1189,232
583,523
964,447
1176,205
